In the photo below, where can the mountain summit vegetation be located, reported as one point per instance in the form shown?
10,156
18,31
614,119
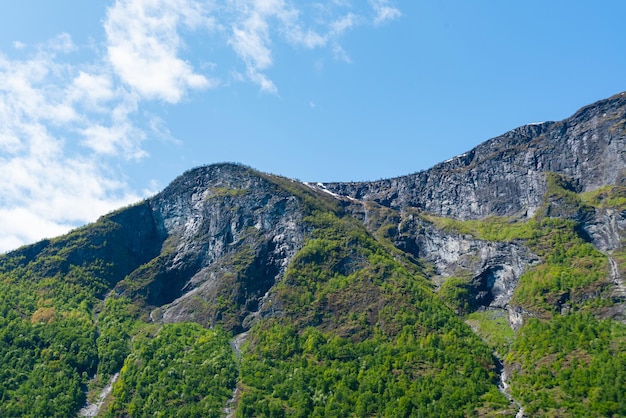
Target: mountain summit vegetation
490,285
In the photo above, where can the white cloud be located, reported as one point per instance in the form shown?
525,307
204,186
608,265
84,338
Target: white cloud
250,38
92,90
259,23
45,191
384,11
61,43
109,140
49,185
65,125
143,46
341,25
14,234
340,54
159,130
24,86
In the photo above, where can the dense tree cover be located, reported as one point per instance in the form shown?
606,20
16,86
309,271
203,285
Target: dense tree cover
50,343
574,365
457,293
184,371
115,325
291,373
47,344
370,339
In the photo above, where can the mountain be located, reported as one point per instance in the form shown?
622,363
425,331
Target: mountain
489,285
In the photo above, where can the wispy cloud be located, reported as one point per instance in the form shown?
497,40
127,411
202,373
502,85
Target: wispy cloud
259,23
67,127
144,42
385,12
47,109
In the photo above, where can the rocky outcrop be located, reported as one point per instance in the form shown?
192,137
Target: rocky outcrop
229,232
492,268
214,243
606,228
229,235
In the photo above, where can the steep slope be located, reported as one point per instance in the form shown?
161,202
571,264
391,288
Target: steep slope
229,234
489,283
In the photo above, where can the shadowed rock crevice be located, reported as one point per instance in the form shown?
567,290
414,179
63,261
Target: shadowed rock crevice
259,277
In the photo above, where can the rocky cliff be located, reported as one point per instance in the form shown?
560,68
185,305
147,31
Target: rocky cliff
505,176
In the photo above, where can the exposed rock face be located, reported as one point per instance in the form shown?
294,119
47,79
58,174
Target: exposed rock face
491,268
606,228
506,175
494,267
229,232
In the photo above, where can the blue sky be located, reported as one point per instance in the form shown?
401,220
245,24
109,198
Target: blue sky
104,103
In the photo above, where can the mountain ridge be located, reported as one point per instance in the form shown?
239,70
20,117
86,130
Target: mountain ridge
385,298
527,187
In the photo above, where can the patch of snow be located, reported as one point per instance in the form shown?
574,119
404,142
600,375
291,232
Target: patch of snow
322,188
456,158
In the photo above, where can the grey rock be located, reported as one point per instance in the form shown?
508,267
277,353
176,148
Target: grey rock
230,232
505,176
493,268
606,229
